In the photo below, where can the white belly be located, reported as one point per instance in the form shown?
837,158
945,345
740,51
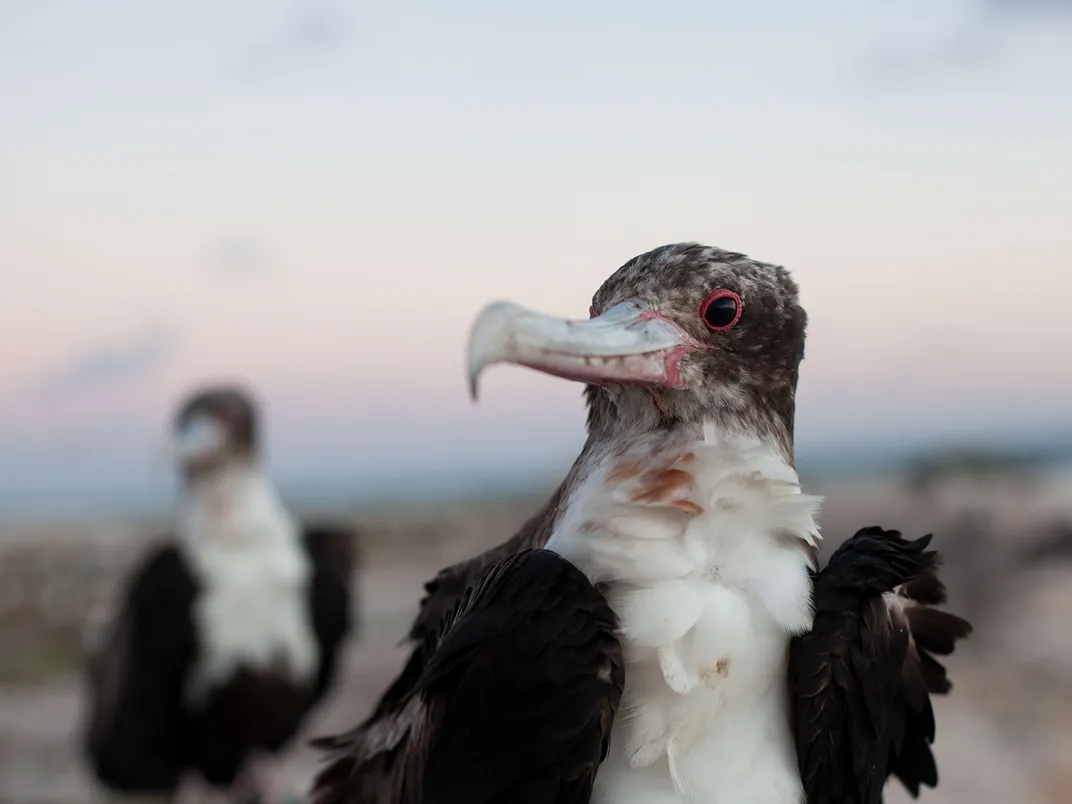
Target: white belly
703,545
727,739
252,610
259,625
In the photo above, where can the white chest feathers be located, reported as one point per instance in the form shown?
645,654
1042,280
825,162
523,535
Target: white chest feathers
706,547
246,552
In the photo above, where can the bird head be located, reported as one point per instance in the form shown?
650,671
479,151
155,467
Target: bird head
682,333
212,427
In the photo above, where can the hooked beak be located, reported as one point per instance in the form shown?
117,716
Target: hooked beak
199,439
625,344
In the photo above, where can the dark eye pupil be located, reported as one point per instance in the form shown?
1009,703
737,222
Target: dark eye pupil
721,312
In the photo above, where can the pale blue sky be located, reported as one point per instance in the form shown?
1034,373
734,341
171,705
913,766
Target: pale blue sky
319,196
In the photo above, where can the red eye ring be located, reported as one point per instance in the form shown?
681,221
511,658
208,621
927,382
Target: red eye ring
713,297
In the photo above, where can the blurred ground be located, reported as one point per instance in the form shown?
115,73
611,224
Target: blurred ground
1004,735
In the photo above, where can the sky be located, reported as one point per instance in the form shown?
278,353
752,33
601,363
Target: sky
316,198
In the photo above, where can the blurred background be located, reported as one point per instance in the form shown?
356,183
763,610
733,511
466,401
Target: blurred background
316,197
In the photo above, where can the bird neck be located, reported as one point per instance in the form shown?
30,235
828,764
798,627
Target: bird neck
665,479
626,417
235,504
228,469
610,432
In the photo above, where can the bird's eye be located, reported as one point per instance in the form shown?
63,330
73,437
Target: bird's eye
720,310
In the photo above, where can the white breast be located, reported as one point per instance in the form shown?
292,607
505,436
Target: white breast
253,610
704,544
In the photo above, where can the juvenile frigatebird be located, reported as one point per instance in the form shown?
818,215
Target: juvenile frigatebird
227,633
660,632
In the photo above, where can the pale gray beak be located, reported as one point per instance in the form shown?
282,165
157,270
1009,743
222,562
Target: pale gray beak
201,438
626,344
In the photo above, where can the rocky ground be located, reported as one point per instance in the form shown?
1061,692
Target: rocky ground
1005,734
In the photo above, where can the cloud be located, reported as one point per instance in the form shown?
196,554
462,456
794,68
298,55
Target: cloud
109,365
1024,7
970,48
318,27
975,42
238,258
313,28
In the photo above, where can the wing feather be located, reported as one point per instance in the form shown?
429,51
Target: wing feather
334,557
446,590
134,731
862,678
514,703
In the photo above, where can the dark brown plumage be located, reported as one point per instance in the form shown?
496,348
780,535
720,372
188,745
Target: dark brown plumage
862,678
443,592
514,705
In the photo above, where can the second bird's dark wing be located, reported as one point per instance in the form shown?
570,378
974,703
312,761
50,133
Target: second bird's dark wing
134,734
862,678
333,554
514,704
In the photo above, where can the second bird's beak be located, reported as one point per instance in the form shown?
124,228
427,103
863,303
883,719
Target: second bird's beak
626,344
201,438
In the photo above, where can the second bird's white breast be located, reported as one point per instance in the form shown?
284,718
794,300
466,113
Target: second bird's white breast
253,606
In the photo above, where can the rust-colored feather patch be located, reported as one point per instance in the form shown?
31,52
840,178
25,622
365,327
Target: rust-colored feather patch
666,487
661,486
625,470
688,506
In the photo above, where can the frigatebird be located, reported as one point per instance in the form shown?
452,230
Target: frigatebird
661,632
227,633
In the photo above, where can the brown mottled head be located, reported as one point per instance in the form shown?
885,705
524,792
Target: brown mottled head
678,334
214,425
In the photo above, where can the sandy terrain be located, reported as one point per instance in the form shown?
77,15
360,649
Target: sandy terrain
1005,735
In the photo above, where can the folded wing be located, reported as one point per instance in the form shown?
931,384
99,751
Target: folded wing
134,731
514,702
862,678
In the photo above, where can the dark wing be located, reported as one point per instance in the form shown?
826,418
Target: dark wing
333,554
136,720
515,703
862,678
448,587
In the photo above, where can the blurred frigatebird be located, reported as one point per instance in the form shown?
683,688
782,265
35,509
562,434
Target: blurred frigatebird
228,633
